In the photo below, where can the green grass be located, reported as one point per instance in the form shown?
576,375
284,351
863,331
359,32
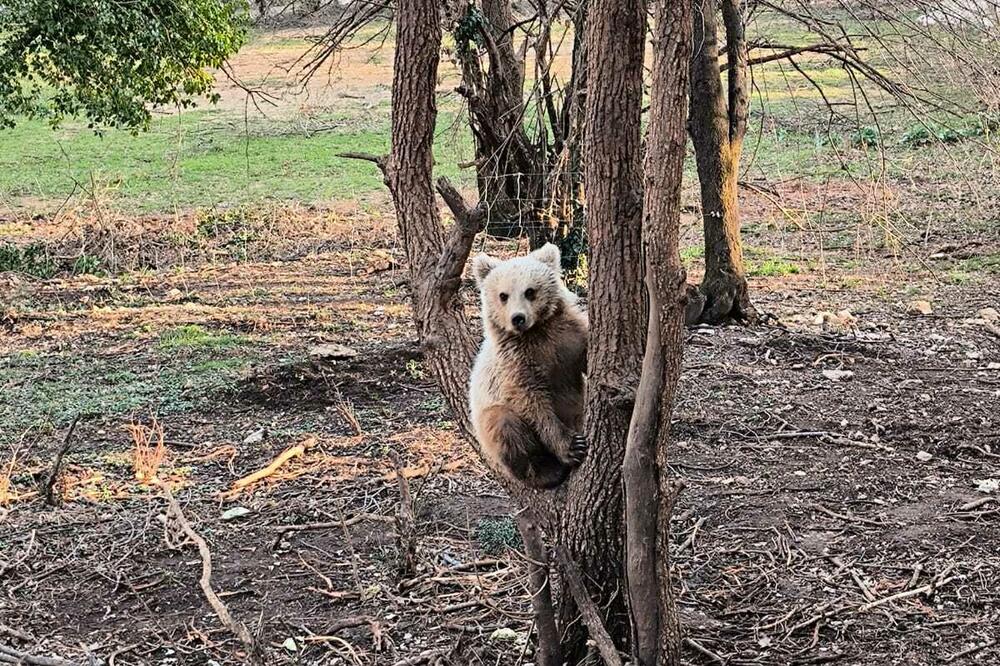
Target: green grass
47,390
986,263
30,259
192,336
496,535
772,268
207,158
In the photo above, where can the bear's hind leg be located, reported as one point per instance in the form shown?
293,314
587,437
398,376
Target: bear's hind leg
515,444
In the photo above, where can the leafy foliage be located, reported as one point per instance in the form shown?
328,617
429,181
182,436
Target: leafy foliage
496,535
469,27
31,259
109,60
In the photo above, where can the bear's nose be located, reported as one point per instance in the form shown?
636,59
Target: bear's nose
518,321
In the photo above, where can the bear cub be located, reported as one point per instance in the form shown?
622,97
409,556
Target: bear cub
526,392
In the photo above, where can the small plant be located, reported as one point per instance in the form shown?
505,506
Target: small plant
192,335
496,535
87,264
148,452
414,370
31,260
868,137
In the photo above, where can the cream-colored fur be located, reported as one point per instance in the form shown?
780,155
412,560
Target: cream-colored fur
526,391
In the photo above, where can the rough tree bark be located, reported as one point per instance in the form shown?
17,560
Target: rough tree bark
436,263
717,125
655,624
592,518
584,518
585,515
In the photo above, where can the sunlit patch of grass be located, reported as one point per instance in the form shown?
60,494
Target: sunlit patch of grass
772,268
194,336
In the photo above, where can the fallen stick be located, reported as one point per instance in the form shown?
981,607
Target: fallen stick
970,650
9,655
923,589
698,647
353,520
276,464
846,518
421,470
689,542
975,504
50,482
254,652
15,633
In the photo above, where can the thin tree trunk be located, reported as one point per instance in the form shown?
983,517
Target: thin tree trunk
591,525
549,650
717,128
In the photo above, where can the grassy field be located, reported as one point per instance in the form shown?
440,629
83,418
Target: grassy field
239,152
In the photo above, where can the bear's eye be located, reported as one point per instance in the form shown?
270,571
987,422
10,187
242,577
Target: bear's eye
529,294
503,297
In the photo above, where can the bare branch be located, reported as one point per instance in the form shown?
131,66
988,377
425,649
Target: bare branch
588,609
50,482
255,654
549,652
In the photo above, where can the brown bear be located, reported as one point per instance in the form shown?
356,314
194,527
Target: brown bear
526,392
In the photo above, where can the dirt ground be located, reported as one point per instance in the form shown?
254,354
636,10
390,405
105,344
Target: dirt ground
841,502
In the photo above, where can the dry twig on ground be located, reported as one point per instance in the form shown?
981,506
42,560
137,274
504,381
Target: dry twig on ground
255,653
50,482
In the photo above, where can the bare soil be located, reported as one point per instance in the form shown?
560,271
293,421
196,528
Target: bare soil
812,497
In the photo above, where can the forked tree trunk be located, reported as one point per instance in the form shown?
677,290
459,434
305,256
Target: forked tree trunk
436,265
584,517
592,520
717,124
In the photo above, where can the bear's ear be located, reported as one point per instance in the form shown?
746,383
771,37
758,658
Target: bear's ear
482,264
548,254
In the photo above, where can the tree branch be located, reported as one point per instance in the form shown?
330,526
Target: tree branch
549,652
50,482
378,160
736,55
588,609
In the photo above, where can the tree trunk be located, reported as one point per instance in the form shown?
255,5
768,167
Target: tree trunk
591,524
717,128
435,268
646,474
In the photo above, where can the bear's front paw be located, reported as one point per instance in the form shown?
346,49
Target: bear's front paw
577,450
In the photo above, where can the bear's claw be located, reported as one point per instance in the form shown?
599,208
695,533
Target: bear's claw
577,449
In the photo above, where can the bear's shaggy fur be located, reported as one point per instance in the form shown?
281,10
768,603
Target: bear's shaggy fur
526,392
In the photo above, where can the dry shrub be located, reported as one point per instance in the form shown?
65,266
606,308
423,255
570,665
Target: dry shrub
346,410
6,490
148,452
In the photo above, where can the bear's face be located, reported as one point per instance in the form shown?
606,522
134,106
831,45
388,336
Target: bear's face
521,293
